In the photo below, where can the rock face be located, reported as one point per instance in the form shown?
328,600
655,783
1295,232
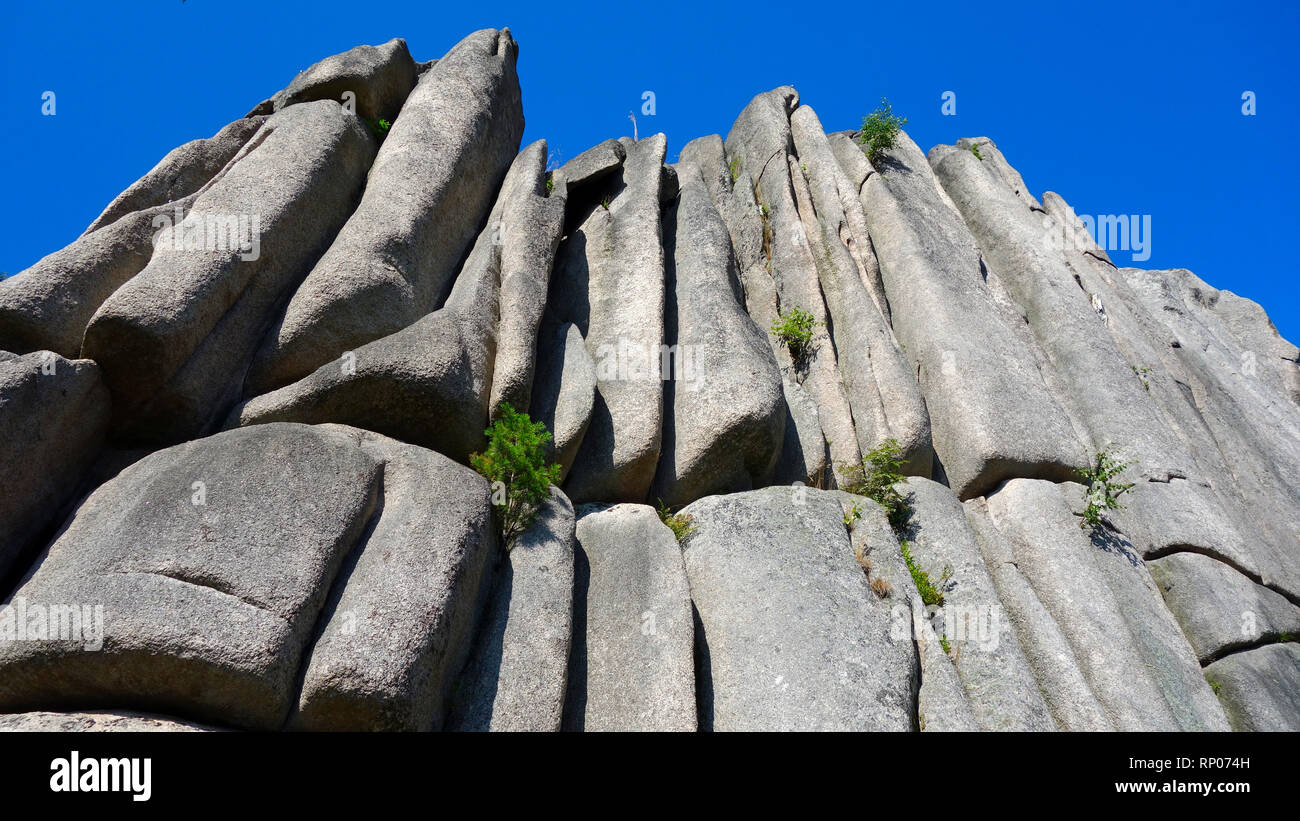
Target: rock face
518,676
210,616
175,338
791,635
630,668
399,625
235,492
432,183
53,415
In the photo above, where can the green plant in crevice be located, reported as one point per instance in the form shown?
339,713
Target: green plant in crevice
877,477
1103,491
1142,373
514,462
604,203
854,513
944,643
379,128
733,168
925,586
550,183
879,130
794,330
681,524
975,149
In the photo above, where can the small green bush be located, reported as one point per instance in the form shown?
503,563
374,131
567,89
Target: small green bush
681,524
880,130
943,642
734,168
877,478
853,515
379,128
515,464
1103,491
794,329
550,183
975,149
926,587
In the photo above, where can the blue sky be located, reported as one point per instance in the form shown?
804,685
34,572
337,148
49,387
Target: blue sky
1120,107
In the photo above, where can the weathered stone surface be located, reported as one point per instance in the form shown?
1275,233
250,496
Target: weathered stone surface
430,383
631,665
992,417
529,221
609,282
185,170
986,652
431,186
564,392
791,636
1100,391
47,306
856,168
726,411
803,451
379,78
400,623
594,163
1260,689
175,339
1046,647
1219,609
517,677
208,617
878,381
117,722
53,416
1232,382
760,141
1096,588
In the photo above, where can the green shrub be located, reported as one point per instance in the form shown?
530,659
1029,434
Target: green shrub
877,478
794,329
975,149
515,464
550,183
924,585
943,642
853,515
880,130
681,524
1103,491
379,128
734,168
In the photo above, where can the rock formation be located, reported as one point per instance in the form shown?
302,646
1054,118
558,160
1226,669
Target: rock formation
237,415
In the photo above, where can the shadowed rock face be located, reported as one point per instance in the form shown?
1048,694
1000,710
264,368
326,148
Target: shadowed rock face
328,560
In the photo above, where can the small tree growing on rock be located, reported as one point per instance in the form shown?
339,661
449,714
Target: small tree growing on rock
1103,491
515,463
877,477
880,130
794,329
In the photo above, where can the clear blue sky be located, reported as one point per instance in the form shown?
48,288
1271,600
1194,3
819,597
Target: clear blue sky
1121,107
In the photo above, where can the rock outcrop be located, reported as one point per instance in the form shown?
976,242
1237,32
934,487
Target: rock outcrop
237,416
